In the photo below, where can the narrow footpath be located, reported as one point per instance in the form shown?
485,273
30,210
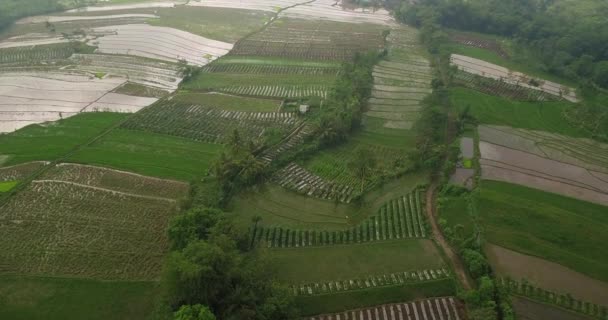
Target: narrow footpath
455,260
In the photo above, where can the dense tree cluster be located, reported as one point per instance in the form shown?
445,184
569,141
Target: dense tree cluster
569,44
12,10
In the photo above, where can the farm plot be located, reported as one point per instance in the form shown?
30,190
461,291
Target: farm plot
385,280
18,56
541,160
400,84
332,10
227,102
463,176
66,229
547,275
296,138
116,180
496,72
20,171
161,43
477,42
399,218
55,19
28,98
301,39
296,178
147,72
446,308
114,7
502,88
208,124
31,40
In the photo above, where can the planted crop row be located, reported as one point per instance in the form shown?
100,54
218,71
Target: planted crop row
399,218
207,124
278,91
302,181
312,51
36,54
501,88
446,308
384,280
293,140
487,44
268,69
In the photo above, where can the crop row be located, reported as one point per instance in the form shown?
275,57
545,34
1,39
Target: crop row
36,54
399,218
392,279
296,178
207,124
279,91
501,88
268,69
312,51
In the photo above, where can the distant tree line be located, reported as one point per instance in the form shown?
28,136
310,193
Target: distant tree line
569,44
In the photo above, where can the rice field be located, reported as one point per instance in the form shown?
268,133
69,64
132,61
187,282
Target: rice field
496,72
546,161
446,308
400,83
208,124
64,228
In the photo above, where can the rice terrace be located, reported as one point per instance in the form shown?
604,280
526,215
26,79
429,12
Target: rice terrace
303,159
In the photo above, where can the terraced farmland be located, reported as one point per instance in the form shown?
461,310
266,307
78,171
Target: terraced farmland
496,72
301,39
400,83
19,56
208,124
400,218
546,161
502,88
64,228
436,309
332,10
478,42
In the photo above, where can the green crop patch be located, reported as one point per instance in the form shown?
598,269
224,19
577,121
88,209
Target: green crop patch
228,102
546,225
8,185
150,154
52,140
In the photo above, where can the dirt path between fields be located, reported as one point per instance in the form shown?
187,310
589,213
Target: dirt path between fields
455,260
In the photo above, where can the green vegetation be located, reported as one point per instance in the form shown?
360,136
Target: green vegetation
546,225
320,304
150,154
221,24
11,10
227,102
208,81
49,141
276,61
135,89
38,298
7,185
345,262
544,116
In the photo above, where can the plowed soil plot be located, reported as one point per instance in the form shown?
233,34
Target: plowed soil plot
208,124
159,43
572,167
302,39
496,72
530,310
65,228
547,275
429,309
20,171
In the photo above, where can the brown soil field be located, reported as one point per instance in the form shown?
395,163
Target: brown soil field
526,309
548,275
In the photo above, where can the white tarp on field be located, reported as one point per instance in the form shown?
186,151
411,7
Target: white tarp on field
54,19
263,5
496,72
332,10
157,4
159,43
